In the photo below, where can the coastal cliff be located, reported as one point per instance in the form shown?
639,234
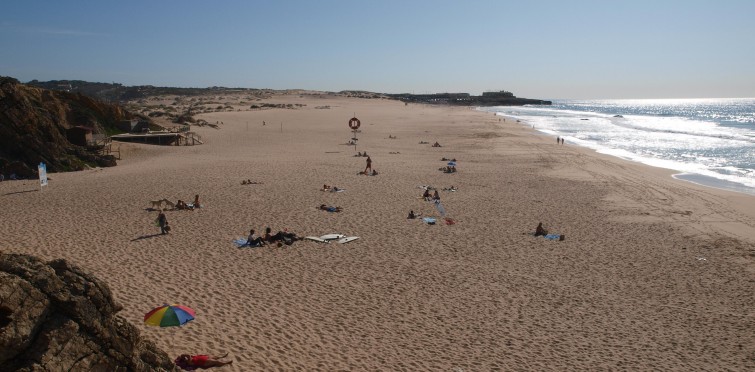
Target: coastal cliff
35,127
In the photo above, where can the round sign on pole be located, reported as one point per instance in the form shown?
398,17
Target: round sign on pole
354,123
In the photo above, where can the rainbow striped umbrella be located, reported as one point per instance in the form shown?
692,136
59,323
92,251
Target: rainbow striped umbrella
169,316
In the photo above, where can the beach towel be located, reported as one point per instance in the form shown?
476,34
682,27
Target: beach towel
440,208
552,236
241,243
429,220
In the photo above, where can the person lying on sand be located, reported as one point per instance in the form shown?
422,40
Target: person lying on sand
250,182
189,362
329,208
279,237
180,204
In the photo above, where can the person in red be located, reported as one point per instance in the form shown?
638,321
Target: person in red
190,362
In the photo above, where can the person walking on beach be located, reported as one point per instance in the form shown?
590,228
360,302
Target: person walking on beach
369,165
162,221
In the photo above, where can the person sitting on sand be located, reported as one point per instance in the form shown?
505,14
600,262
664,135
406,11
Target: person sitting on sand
426,194
189,362
540,231
436,144
196,202
325,187
253,240
411,215
329,208
180,204
436,196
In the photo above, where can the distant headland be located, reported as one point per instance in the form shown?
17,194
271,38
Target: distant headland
500,98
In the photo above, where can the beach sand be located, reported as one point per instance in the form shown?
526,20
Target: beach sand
654,273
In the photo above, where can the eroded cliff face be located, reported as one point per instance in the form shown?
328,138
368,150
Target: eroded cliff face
33,125
56,317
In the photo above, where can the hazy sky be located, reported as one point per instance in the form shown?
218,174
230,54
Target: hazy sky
536,49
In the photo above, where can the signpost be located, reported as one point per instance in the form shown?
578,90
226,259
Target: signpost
42,175
354,124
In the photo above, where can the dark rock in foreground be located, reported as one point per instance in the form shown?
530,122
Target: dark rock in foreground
55,317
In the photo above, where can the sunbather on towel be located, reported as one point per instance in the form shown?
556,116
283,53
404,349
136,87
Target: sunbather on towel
280,236
253,240
190,362
329,208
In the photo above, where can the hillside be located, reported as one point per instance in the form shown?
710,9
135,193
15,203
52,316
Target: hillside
34,124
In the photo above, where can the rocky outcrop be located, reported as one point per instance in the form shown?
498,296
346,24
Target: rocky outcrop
33,126
55,317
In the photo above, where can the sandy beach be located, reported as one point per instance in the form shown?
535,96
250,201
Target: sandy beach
654,273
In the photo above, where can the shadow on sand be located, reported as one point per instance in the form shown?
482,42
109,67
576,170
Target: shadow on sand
146,237
20,192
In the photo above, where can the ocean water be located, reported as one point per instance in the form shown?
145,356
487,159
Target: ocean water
709,141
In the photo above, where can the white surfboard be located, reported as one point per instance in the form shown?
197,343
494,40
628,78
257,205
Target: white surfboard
347,239
316,239
332,236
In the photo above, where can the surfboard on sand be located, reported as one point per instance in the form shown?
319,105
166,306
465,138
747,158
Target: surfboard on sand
332,236
315,239
347,239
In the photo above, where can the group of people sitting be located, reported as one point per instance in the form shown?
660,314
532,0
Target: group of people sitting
361,154
182,205
426,195
253,240
448,169
329,208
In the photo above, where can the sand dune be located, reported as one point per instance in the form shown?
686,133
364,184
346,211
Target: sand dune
654,273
